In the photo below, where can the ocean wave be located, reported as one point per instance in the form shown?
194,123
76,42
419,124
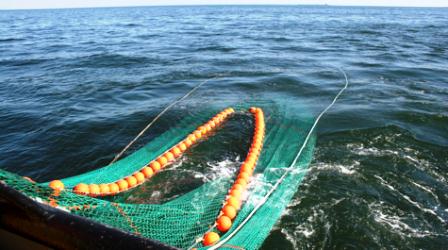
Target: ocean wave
215,48
401,225
107,60
9,40
22,62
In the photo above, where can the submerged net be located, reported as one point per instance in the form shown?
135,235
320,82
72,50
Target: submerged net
183,219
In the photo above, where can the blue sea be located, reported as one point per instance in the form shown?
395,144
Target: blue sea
76,85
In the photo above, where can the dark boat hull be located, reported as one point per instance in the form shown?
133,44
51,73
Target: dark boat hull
54,228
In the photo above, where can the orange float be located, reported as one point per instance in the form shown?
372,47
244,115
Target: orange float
131,180
223,223
216,120
147,172
192,138
140,177
234,202
182,146
202,129
229,211
94,190
210,238
81,188
176,152
212,124
169,156
197,134
235,193
237,186
56,185
243,175
113,188
104,189
246,168
122,185
188,142
162,161
155,166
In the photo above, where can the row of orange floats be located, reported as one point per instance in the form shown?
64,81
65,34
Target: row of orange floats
233,200
153,167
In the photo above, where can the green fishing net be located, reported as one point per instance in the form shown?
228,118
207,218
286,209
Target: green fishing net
182,220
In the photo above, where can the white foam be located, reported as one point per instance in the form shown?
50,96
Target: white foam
343,169
359,149
407,198
222,169
396,223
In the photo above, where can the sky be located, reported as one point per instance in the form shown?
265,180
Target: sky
43,4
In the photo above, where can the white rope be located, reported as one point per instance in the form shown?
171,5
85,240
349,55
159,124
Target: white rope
265,198
157,117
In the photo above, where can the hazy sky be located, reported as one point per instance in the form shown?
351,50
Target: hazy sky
32,4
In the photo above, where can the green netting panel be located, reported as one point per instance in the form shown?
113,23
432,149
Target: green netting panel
182,220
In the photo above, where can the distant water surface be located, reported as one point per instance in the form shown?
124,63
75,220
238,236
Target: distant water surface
77,84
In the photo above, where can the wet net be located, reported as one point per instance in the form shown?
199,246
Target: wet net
183,220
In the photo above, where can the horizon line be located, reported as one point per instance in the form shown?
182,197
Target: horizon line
188,5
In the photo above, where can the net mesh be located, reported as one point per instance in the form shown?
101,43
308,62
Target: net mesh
182,220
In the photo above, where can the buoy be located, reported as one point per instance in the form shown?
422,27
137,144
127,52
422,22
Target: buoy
169,156
250,163
113,188
212,124
94,190
192,138
223,223
162,161
246,168
203,129
176,151
122,185
252,110
252,159
147,171
210,238
197,134
229,211
132,181
188,142
104,189
57,185
245,176
208,128
255,151
216,120
140,177
155,166
241,181
237,186
81,188
182,146
234,202
235,193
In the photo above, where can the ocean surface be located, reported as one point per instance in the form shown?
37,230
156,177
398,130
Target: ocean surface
76,85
